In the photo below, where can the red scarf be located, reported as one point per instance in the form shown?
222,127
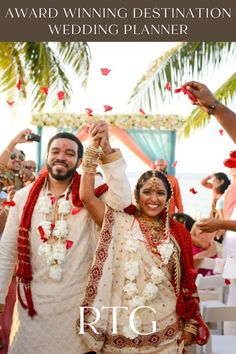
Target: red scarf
24,270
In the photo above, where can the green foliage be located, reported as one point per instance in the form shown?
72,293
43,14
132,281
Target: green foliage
180,64
42,64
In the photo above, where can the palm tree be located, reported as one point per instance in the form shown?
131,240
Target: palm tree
42,64
178,65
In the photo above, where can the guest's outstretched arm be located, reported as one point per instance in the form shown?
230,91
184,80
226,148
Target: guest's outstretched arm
208,103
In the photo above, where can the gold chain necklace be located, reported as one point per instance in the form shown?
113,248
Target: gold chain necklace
153,231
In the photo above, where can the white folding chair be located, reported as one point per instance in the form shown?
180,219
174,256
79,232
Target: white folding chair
205,263
211,293
219,344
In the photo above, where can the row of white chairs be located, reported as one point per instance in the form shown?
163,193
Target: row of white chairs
214,311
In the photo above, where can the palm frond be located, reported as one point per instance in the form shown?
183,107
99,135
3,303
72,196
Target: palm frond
40,64
180,64
198,119
77,55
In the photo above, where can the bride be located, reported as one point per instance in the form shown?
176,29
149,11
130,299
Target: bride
141,295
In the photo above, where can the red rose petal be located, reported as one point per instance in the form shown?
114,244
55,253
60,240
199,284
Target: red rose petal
142,112
186,92
107,108
221,131
174,164
60,95
193,191
105,71
178,90
18,85
89,112
76,210
167,86
69,244
10,103
44,90
227,282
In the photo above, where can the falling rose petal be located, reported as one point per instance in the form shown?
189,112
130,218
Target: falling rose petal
193,191
107,108
11,203
89,112
227,282
69,244
44,90
105,71
18,85
10,103
221,131
60,95
142,112
174,164
167,86
76,210
52,226
178,90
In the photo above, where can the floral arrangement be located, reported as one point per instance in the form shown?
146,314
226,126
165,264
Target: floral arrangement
150,290
78,121
54,236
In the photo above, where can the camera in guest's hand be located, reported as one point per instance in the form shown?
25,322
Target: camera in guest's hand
33,137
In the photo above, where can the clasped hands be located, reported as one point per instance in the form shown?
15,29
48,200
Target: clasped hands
99,136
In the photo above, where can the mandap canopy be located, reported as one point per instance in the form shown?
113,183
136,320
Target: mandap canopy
149,137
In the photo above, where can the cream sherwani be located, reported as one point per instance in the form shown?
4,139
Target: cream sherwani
53,330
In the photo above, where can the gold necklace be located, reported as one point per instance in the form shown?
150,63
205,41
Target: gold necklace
153,231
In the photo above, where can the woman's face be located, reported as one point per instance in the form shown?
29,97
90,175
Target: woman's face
216,182
152,198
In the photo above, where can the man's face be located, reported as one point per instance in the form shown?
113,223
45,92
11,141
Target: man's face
160,165
30,165
62,159
16,160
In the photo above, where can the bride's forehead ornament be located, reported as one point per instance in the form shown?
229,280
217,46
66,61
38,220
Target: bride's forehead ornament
154,180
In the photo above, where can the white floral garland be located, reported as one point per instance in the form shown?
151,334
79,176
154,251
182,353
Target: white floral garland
53,249
150,290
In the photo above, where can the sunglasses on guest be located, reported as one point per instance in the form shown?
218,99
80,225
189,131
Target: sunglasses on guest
15,156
